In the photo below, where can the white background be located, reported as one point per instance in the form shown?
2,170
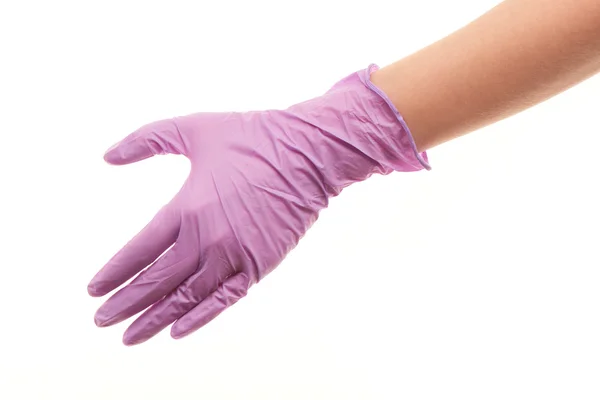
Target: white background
478,280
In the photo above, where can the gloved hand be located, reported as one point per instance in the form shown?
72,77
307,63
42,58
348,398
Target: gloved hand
257,182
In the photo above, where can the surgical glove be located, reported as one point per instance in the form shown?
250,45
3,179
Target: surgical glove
256,184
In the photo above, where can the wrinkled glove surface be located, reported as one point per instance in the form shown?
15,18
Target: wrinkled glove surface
257,183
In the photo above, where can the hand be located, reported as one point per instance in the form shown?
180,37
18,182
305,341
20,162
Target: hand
257,183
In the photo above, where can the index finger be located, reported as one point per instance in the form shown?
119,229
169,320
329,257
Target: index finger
141,251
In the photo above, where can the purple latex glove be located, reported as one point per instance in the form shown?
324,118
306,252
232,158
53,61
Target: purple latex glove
257,182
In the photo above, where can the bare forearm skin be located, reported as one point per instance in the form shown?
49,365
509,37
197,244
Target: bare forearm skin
518,54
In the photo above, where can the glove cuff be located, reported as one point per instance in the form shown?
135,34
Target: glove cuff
395,128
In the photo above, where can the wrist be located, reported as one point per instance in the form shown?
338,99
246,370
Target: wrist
352,132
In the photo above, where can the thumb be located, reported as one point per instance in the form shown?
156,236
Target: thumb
160,137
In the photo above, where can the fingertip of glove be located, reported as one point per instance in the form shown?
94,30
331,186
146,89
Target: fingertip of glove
129,339
176,333
129,343
94,291
99,323
113,157
105,317
127,153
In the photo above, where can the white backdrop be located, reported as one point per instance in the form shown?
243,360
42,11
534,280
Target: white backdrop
478,280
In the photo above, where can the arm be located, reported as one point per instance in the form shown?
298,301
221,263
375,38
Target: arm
518,54
259,180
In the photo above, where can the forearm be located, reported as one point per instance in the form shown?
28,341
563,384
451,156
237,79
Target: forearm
518,54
